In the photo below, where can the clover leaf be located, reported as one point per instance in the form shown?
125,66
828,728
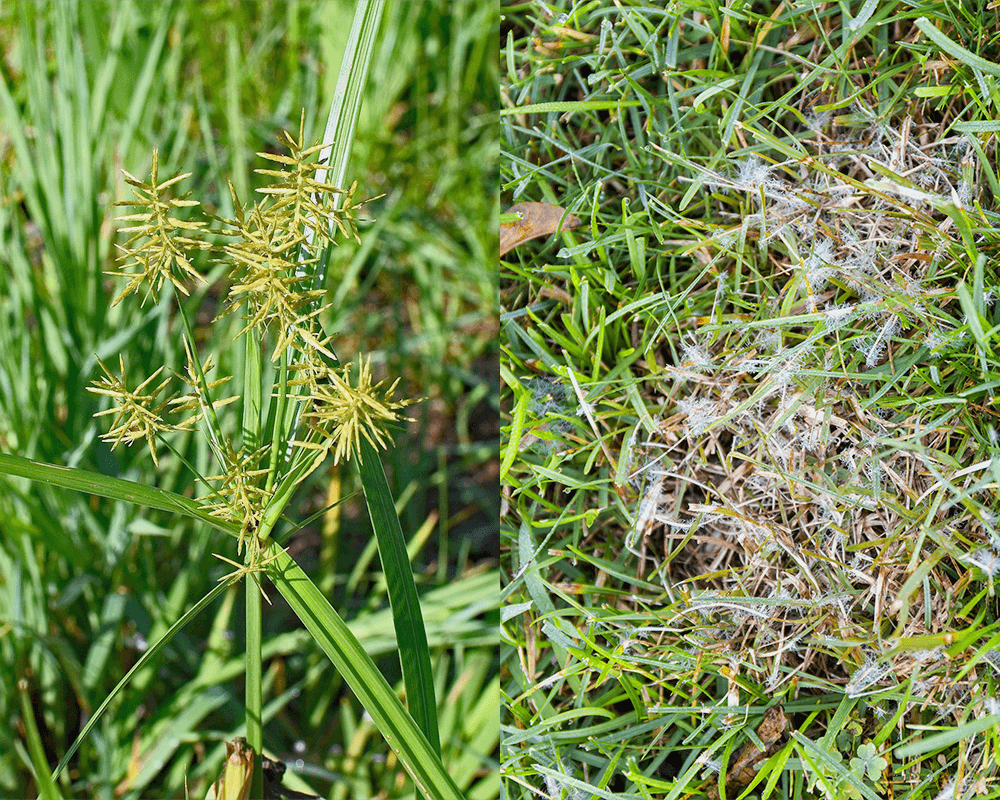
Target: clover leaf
868,760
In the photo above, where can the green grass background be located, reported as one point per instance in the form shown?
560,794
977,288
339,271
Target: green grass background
683,134
90,89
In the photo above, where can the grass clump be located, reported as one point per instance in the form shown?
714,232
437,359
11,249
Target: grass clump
778,486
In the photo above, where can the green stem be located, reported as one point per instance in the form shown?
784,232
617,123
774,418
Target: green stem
47,789
211,419
252,397
279,434
254,695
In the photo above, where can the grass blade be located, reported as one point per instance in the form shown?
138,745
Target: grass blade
47,789
113,488
414,656
947,737
954,49
155,648
361,674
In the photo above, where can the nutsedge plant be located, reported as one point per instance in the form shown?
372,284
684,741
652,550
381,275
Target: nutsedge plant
316,406
253,419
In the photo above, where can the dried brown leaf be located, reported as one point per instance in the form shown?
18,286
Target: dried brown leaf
743,767
537,219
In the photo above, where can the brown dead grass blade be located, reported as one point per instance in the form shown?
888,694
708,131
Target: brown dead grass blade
537,219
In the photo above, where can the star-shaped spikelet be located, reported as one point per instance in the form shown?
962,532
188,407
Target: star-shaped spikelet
137,414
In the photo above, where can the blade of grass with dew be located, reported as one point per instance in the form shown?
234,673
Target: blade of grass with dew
954,49
331,633
945,738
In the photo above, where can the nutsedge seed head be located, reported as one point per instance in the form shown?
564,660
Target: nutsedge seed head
137,415
157,248
341,413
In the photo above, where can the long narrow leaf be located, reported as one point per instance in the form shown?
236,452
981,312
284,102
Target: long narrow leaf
113,488
414,656
328,629
346,107
155,648
47,789
359,671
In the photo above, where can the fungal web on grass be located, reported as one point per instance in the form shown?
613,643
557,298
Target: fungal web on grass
803,416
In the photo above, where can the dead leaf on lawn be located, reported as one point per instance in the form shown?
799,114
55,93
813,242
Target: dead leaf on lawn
743,766
536,219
